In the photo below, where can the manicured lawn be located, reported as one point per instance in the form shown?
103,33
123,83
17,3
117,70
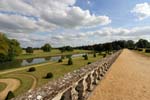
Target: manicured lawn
143,52
54,52
26,83
58,70
2,86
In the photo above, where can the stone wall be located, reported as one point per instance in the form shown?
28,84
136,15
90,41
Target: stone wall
73,86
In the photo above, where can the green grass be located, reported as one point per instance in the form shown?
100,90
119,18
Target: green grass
26,83
54,52
58,70
143,52
2,86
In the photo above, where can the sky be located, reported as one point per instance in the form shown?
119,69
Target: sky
74,22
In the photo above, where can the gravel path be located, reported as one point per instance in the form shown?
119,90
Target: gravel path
127,79
12,85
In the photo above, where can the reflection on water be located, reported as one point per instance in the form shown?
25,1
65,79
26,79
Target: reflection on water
31,61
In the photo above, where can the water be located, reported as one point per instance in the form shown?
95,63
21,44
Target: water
27,62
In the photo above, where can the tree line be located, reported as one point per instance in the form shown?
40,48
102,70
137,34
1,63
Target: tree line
117,45
9,48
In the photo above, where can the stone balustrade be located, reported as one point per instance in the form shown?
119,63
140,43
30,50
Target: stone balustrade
73,86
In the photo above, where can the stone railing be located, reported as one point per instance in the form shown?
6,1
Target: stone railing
76,85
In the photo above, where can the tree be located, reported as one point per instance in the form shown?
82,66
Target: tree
29,50
130,44
8,48
46,48
66,48
142,43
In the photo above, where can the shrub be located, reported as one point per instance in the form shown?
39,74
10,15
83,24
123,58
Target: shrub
32,69
89,63
29,50
94,55
62,57
60,60
147,50
86,57
139,49
10,95
104,55
49,75
70,62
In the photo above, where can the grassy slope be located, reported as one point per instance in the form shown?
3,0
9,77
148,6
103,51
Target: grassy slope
54,52
2,86
58,69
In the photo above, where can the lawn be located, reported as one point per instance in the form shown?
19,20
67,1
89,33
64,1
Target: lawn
58,70
2,86
54,52
143,52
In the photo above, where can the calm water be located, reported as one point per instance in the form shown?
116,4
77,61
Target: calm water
27,62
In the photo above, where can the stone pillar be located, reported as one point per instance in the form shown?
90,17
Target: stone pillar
80,89
67,95
94,78
89,82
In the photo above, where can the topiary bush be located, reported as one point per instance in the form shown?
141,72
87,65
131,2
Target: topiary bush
86,57
94,55
70,62
104,55
32,69
89,63
49,75
140,49
147,50
60,60
10,95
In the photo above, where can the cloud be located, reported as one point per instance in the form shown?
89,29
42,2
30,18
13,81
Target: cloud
82,38
142,10
27,16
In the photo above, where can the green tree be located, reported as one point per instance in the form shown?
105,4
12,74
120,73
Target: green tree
130,44
46,48
29,50
8,48
142,43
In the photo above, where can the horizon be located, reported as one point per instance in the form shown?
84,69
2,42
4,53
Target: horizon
74,22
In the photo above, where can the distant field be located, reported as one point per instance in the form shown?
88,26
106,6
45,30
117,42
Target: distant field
54,52
58,70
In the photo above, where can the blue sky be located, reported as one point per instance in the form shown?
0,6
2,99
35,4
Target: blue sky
74,22
118,10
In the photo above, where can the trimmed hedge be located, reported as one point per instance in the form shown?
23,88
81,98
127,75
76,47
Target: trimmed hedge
94,55
89,63
104,55
85,57
60,60
70,62
49,75
32,69
139,49
10,95
147,50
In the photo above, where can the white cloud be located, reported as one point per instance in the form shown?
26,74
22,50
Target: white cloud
82,38
142,10
45,15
